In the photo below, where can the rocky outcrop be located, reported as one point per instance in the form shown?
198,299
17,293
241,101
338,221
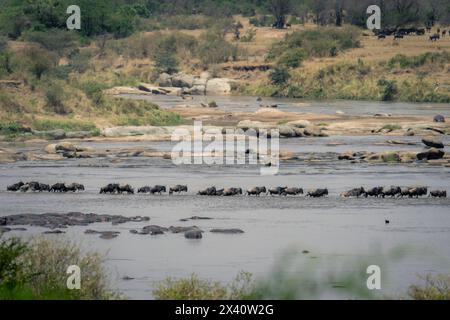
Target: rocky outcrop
432,154
432,142
218,86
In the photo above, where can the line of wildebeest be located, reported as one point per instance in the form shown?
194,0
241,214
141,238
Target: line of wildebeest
400,33
115,188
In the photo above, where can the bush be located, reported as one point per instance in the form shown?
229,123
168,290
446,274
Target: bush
36,60
262,21
193,288
165,55
279,76
55,99
249,35
321,42
56,40
418,61
37,270
435,288
389,89
292,58
215,49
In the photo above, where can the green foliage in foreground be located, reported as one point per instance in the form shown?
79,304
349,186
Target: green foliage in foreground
291,279
37,270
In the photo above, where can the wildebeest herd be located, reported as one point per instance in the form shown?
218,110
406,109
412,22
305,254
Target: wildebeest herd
400,33
42,187
116,188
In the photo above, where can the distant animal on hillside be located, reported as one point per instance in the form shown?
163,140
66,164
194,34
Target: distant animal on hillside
381,36
435,37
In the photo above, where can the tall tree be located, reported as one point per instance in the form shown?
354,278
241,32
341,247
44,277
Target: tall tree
280,8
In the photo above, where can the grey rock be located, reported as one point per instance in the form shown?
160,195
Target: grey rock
227,231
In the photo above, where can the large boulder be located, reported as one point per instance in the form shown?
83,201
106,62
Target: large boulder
165,80
299,123
432,142
250,124
218,86
183,81
432,154
286,131
57,134
65,146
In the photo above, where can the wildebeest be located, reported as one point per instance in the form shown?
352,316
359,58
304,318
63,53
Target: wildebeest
444,32
292,191
381,36
428,29
435,37
398,36
256,191
392,192
438,118
74,187
145,189
110,188
58,187
278,190
158,189
417,192
231,192
126,189
375,192
211,191
357,192
438,194
15,187
420,32
288,25
178,188
317,193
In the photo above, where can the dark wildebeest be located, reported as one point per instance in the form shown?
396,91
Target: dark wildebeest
110,188
145,189
178,188
317,193
232,192
438,118
398,36
256,191
44,187
58,187
438,194
292,191
444,32
435,37
15,187
158,189
381,36
417,192
74,187
219,192
420,32
428,29
126,189
211,191
375,192
357,192
278,190
288,25
392,192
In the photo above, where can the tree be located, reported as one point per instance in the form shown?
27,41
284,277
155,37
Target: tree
338,11
280,8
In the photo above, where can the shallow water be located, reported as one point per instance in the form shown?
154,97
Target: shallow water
250,104
331,227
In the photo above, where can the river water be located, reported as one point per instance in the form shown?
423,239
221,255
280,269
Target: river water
332,229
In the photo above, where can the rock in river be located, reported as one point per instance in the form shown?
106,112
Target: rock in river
227,231
432,142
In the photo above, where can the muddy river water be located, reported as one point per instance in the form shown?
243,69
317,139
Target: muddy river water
332,229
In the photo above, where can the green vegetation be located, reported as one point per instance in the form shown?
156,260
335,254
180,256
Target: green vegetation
193,288
279,76
37,270
437,287
66,125
438,60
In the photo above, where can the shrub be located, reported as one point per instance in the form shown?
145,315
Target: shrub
249,35
55,99
417,61
37,270
10,128
435,288
279,76
165,55
389,89
321,42
36,60
292,58
215,49
262,21
193,288
55,40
